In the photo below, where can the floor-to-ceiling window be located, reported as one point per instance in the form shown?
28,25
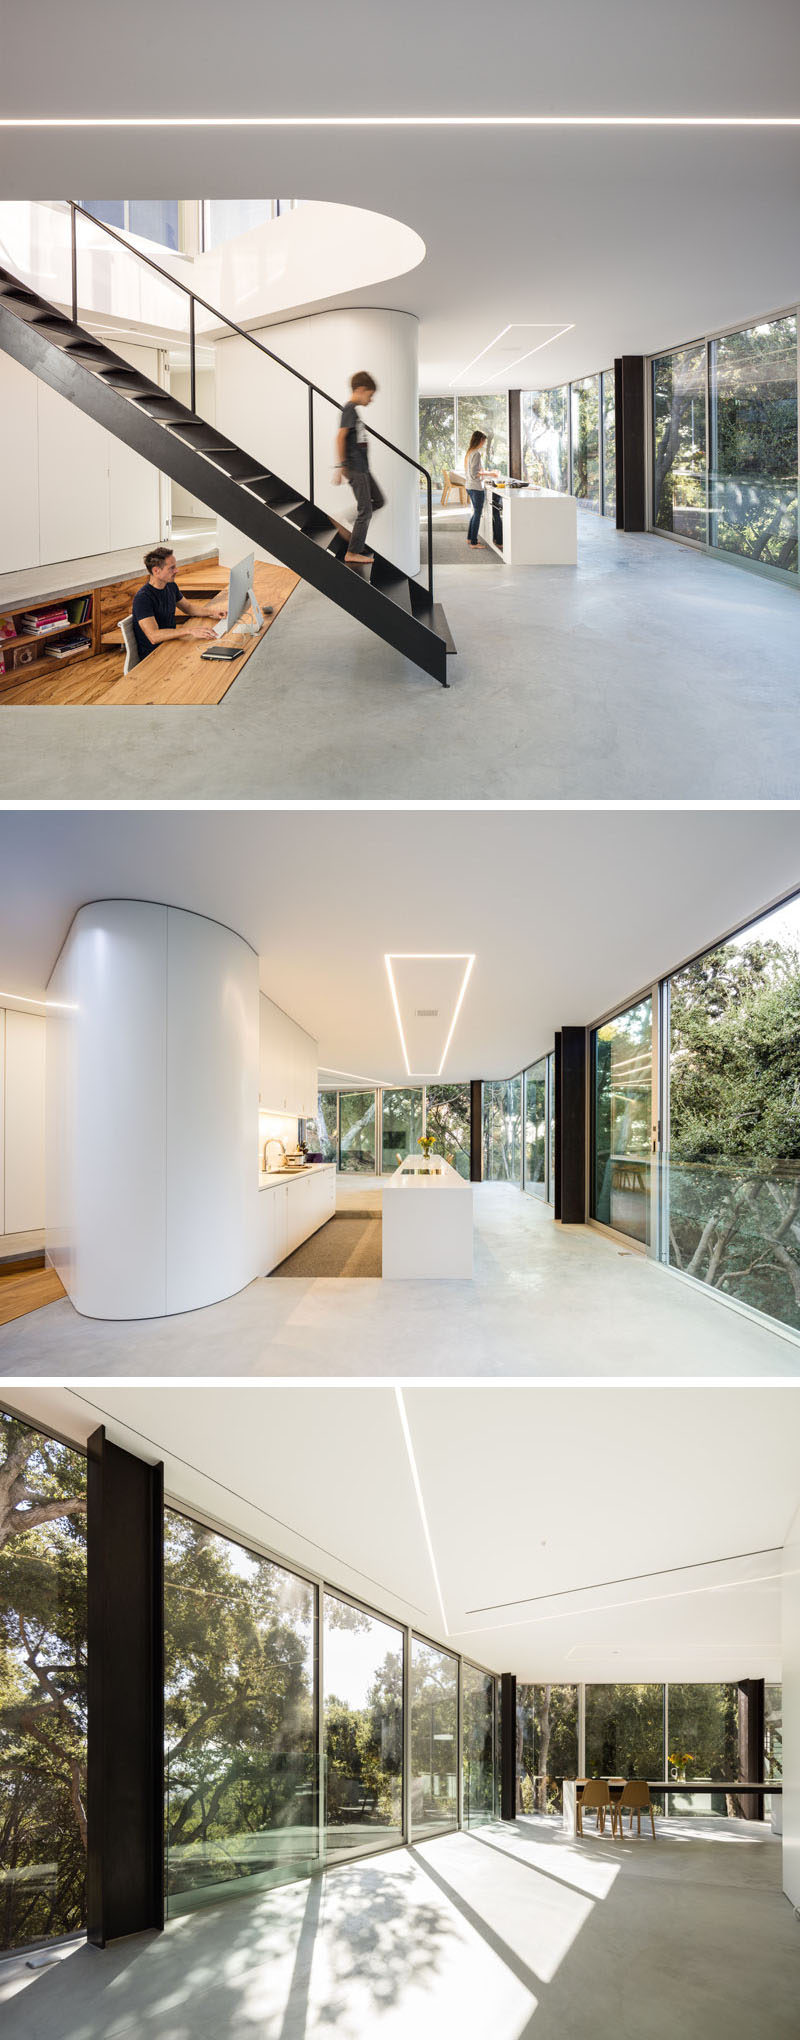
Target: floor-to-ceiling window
732,1161
487,414
547,1745
585,402
434,1740
401,1125
544,417
43,1688
448,1118
622,1065
327,1123
551,1128
154,219
363,1728
535,1159
753,443
240,1769
624,1731
702,1742
357,1132
680,442
609,434
502,1130
479,1744
437,436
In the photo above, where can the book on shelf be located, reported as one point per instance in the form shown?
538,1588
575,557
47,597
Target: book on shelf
8,627
37,622
65,649
80,609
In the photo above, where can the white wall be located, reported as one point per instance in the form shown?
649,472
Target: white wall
184,504
22,1045
152,1100
69,487
264,410
791,1713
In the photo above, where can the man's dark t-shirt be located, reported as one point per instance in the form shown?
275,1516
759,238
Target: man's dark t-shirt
355,455
161,604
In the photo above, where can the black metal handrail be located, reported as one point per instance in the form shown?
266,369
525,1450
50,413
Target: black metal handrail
195,299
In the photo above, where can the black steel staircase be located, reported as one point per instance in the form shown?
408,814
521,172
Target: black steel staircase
181,444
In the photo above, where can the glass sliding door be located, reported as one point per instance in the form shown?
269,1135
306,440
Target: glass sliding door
585,406
43,1676
753,466
622,1068
328,1125
535,1152
448,1118
363,1729
547,1745
240,1743
401,1126
479,1745
434,1740
680,457
732,1160
502,1131
357,1132
437,437
609,443
544,417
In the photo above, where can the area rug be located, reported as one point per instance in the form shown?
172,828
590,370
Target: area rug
450,547
350,1244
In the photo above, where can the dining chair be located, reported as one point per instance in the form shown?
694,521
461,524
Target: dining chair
636,1796
596,1799
454,485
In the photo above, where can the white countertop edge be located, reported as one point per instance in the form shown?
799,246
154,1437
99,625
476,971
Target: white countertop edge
269,1179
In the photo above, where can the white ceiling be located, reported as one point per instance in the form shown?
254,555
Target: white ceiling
638,237
568,912
656,1547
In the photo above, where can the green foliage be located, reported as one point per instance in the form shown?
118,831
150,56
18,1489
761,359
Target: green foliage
449,1119
735,1124
437,436
749,496
547,1745
43,1686
502,1130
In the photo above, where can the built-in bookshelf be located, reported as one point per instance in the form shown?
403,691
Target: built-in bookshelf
56,633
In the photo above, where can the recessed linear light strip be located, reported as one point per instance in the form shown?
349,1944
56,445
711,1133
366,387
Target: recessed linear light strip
428,956
64,1005
407,120
660,1572
404,1424
376,1083
506,370
631,1601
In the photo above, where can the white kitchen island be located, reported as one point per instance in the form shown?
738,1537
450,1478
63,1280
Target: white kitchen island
540,526
427,1222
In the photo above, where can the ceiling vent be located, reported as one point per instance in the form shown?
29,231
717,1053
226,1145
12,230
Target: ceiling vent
426,1012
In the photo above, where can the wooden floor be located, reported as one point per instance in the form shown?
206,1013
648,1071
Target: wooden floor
172,677
30,1289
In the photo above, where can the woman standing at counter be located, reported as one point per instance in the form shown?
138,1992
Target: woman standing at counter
476,476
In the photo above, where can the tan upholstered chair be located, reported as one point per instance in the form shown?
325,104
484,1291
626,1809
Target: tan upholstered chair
596,1799
454,485
636,1796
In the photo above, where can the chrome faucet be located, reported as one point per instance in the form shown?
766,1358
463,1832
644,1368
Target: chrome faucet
273,1142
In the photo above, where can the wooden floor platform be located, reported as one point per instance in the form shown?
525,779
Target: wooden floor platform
27,1289
172,677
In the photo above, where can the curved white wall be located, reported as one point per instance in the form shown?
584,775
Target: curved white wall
152,1104
264,410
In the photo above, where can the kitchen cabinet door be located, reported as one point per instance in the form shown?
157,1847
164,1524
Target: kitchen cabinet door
24,1117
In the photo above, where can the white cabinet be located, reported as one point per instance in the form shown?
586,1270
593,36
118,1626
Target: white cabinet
291,1212
288,1064
24,1123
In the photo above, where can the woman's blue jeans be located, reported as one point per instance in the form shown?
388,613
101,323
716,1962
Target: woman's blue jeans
477,498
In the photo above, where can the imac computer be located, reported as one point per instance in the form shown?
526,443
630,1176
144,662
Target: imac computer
240,598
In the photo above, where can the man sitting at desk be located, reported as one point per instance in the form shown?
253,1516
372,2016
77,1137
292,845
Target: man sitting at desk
155,605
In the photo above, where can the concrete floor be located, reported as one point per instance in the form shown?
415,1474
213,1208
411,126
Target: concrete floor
650,672
514,1933
545,1301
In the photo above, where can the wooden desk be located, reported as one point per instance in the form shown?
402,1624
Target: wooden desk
174,675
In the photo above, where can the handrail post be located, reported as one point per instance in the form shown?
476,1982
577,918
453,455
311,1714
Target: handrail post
192,359
74,261
310,443
430,534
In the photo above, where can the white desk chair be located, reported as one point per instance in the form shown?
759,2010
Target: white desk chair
132,654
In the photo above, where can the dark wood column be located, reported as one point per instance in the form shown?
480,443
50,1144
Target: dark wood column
515,434
751,1744
125,1567
630,409
508,1747
476,1131
570,1204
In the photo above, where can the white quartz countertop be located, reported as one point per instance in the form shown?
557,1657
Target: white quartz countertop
267,1178
440,1176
